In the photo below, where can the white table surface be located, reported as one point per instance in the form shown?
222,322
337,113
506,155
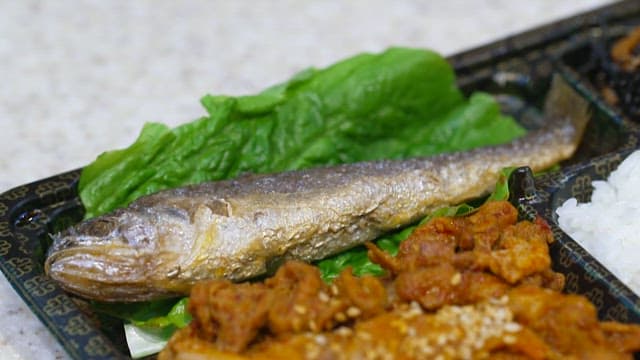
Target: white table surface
80,77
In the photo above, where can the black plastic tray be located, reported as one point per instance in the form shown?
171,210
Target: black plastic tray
517,70
585,275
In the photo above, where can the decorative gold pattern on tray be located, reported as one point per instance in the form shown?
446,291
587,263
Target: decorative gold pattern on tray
24,221
59,305
584,273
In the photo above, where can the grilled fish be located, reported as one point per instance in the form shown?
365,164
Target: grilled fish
161,244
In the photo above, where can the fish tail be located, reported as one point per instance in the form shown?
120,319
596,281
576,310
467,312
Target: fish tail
565,108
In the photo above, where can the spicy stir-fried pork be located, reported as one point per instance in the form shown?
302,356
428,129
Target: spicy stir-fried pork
470,287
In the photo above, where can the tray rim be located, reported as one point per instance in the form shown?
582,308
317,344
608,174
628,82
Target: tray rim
82,340
539,201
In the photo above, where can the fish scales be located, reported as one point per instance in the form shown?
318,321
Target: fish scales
163,243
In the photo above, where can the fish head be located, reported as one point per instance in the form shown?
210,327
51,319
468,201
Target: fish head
120,255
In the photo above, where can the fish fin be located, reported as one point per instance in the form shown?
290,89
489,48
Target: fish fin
218,207
273,264
565,107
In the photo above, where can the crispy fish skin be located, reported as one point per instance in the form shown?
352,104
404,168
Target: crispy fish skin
237,229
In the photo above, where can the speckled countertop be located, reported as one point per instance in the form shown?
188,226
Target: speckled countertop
80,77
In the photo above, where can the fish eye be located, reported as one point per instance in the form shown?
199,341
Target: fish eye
100,227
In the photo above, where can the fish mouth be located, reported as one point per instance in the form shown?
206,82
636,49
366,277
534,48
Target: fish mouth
104,273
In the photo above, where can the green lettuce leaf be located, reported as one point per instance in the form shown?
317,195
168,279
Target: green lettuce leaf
148,325
177,317
396,104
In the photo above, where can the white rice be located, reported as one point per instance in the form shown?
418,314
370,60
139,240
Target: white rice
609,226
